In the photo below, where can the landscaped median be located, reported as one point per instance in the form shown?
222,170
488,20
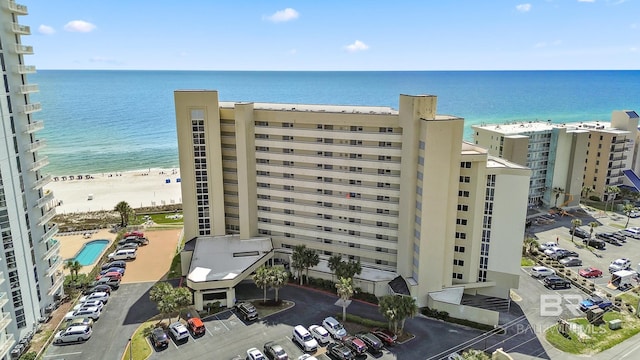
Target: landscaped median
585,339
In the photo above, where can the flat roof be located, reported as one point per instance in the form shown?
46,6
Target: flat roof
225,257
351,109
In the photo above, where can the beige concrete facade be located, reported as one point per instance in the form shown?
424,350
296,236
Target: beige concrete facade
396,189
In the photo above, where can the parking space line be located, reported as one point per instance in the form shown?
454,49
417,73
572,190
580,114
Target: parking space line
222,322
208,331
73,353
173,341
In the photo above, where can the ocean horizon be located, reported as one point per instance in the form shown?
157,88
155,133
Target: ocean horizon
101,121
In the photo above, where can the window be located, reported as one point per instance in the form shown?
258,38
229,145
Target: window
458,249
465,179
461,235
463,193
461,221
463,207
458,262
457,276
465,164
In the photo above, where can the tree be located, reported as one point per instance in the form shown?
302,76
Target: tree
528,245
182,297
628,209
349,269
557,191
279,277
261,279
73,266
311,259
297,260
611,192
388,307
592,225
334,263
124,210
586,190
574,224
345,292
474,354
163,295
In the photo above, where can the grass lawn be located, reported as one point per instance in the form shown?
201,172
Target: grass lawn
527,262
599,338
167,218
629,297
266,310
140,349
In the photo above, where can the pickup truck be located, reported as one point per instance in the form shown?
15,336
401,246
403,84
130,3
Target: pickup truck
595,300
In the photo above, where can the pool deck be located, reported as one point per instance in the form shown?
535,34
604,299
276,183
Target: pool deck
71,244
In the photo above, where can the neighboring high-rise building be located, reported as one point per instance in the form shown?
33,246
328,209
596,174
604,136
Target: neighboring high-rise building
396,189
565,158
30,273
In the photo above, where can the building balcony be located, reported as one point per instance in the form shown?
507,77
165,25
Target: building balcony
3,300
37,145
616,183
34,126
24,49
57,284
619,166
25,69
8,344
53,230
55,265
5,320
54,246
42,182
617,158
40,164
20,29
45,199
47,217
615,174
30,88
2,279
18,9
31,108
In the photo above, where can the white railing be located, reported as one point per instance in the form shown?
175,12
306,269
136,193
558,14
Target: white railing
53,250
26,69
24,49
47,216
7,345
29,88
3,299
18,8
20,29
42,182
5,320
54,267
30,108
37,145
45,199
50,233
56,285
40,164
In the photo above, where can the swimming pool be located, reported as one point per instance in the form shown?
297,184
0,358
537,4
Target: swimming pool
91,251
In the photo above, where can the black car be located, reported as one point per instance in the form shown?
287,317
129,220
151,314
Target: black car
134,240
583,234
159,338
374,344
97,288
556,282
608,237
340,351
594,243
247,310
274,351
112,264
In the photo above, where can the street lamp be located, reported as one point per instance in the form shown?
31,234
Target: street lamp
130,349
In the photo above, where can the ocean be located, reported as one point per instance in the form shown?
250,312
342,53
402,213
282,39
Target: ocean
100,121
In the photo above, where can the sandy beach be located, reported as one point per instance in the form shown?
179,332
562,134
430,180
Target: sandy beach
149,187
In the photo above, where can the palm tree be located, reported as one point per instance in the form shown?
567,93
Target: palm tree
574,224
124,210
627,209
279,278
73,266
408,309
611,192
557,191
592,225
163,295
297,260
349,269
262,279
182,297
528,245
345,292
335,261
388,307
311,259
586,190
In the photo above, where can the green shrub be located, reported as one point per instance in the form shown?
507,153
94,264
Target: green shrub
594,198
363,321
365,296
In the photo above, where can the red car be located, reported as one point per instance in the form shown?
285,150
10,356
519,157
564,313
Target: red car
136,233
387,336
356,345
113,274
590,272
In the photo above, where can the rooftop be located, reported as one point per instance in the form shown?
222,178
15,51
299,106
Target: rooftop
352,109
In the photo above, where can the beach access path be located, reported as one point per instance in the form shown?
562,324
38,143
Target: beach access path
149,187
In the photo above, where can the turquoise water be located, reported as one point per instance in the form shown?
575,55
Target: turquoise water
106,121
91,251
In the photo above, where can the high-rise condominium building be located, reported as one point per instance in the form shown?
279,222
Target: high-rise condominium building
396,189
30,273
566,158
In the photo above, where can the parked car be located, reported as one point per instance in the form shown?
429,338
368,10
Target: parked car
355,344
320,334
552,250
595,300
541,271
159,338
113,274
101,296
543,247
594,243
334,327
255,354
275,352
179,331
590,272
133,233
307,357
618,235
109,281
374,344
583,234
134,240
304,338
247,310
196,326
571,261
97,288
73,334
619,264
561,254
387,336
114,264
133,246
340,351
632,232
122,254
78,321
89,303
90,312
112,270
555,282
608,237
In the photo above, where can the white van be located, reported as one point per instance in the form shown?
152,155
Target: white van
633,232
303,337
122,254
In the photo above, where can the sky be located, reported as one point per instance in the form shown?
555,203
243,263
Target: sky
334,35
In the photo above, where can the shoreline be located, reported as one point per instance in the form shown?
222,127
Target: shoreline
102,191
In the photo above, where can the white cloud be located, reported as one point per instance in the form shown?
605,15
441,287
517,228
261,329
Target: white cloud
102,59
293,51
283,15
589,1
46,30
79,26
523,7
633,49
356,46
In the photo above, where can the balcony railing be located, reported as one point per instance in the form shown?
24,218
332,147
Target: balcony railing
25,69
34,126
56,285
42,182
54,246
30,88
24,49
40,164
18,8
20,29
31,108
616,158
44,200
53,230
47,216
6,345
2,279
3,300
54,266
5,320
37,145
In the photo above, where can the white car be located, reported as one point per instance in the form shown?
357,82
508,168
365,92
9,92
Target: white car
552,250
541,272
319,333
547,245
99,295
90,312
179,331
89,303
307,357
73,334
255,354
619,264
334,327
